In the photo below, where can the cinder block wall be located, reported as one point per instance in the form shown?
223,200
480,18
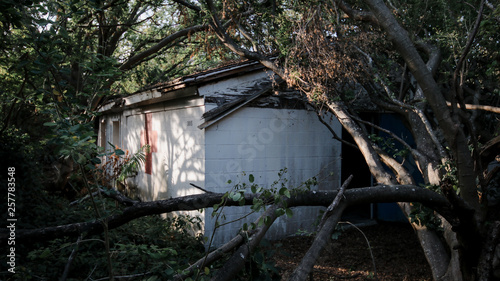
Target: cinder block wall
262,141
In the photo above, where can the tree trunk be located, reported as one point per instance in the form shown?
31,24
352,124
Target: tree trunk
364,145
453,134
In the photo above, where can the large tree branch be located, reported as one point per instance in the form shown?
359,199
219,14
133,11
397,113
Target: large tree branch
238,259
326,227
230,269
164,42
221,33
449,124
213,256
356,14
397,193
361,139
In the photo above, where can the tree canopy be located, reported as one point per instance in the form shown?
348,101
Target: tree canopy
435,64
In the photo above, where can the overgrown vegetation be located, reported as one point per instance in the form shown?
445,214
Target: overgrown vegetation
430,62
150,248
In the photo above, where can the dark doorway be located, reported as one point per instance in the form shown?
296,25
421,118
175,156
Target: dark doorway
354,163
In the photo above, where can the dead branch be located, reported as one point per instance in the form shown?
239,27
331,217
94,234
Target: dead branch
212,256
70,260
200,188
326,227
489,108
237,261
369,246
335,202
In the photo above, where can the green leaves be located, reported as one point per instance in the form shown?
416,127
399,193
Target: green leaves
50,124
238,196
284,192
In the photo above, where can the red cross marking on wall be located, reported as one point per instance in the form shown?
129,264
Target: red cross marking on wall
150,137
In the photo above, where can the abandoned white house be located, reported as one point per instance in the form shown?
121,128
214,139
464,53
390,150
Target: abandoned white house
211,127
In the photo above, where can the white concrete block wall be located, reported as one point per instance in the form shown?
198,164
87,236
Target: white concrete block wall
181,150
262,142
179,159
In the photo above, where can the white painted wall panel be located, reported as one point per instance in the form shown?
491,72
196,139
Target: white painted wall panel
180,151
180,155
264,141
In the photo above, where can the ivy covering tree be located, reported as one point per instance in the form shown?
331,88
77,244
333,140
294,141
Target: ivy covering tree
435,64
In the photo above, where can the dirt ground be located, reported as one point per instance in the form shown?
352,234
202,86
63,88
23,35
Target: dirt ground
396,251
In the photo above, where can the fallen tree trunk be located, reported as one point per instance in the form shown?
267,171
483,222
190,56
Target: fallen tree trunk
398,193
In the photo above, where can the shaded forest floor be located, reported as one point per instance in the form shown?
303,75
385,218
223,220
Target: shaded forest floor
396,250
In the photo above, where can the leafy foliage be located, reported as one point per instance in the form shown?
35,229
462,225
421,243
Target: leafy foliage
424,216
153,247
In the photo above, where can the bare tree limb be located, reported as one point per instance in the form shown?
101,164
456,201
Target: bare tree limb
362,141
70,260
326,227
434,55
237,261
221,33
164,42
455,86
212,256
335,202
488,108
